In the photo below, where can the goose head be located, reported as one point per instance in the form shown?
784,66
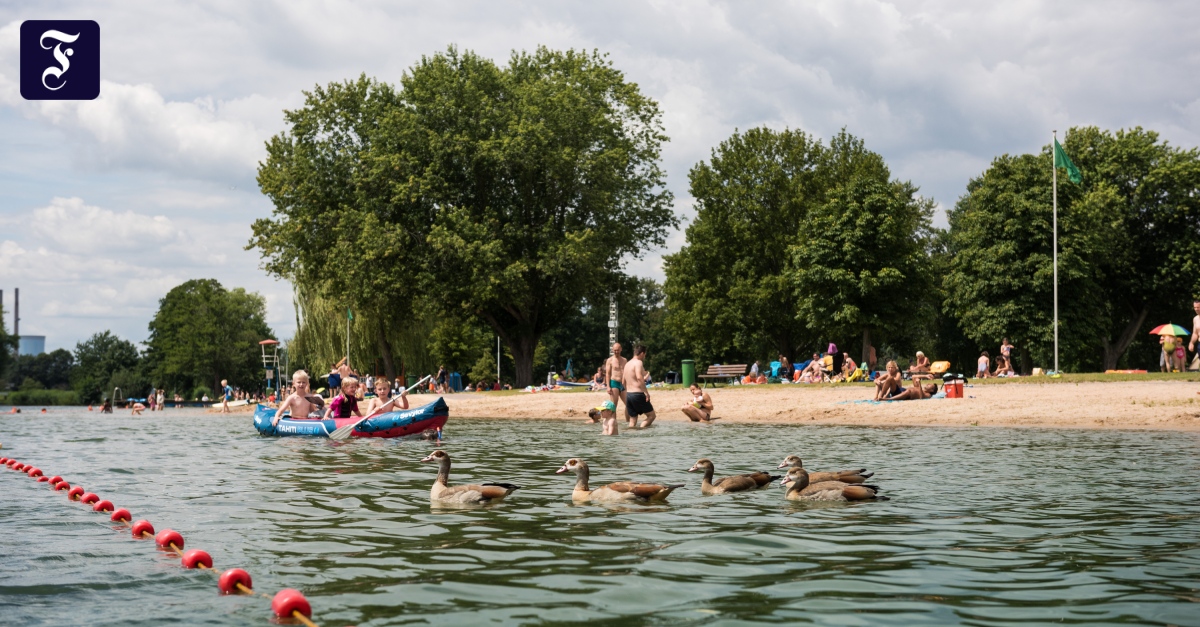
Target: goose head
437,456
701,464
572,465
791,460
796,479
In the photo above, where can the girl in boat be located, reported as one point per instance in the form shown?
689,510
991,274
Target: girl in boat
345,404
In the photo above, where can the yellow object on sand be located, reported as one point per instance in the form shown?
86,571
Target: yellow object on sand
939,367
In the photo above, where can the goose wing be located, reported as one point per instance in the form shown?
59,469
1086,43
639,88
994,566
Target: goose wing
474,493
642,490
763,478
737,483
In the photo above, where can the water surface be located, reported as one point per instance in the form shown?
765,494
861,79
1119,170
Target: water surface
985,526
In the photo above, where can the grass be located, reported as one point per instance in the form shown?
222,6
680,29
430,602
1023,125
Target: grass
39,397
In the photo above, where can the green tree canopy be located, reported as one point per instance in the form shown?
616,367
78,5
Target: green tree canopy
865,265
505,194
203,333
730,290
1129,237
96,360
51,370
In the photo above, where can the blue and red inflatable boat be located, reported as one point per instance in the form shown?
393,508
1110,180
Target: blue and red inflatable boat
390,425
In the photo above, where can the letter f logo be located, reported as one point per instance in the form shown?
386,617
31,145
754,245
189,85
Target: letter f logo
50,49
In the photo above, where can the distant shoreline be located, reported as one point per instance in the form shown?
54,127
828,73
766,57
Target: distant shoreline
1155,404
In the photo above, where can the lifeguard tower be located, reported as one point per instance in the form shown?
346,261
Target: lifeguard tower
270,361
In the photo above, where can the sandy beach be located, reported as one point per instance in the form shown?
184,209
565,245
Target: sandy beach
1091,405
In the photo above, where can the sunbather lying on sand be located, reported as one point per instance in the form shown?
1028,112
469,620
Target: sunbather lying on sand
917,391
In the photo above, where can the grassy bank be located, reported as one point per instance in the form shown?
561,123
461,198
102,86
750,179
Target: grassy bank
39,397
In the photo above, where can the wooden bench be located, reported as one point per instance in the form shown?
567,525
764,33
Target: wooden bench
733,371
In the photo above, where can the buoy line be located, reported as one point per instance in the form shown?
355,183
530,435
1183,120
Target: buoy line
287,603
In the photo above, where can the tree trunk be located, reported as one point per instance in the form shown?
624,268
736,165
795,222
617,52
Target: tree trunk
522,348
866,352
1026,361
1113,352
385,351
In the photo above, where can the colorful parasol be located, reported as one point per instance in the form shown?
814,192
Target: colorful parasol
1170,329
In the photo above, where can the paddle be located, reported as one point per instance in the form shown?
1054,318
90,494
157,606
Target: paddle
342,433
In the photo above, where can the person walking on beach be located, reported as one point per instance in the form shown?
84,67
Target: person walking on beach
614,372
637,398
226,396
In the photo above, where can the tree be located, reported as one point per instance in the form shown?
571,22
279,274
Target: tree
1000,281
1129,238
502,194
865,265
8,345
96,360
50,370
730,290
203,333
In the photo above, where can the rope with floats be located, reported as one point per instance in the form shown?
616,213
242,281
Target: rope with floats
287,603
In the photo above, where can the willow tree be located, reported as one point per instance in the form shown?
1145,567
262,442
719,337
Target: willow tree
503,194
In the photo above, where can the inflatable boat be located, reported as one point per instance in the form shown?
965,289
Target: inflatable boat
390,425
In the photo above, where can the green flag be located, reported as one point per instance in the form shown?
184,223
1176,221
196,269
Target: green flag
1061,160
350,315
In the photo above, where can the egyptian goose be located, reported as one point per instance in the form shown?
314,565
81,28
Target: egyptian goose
474,493
799,489
623,491
845,476
735,483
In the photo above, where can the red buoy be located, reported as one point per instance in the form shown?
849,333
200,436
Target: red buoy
3,460
290,600
121,515
33,472
141,528
43,479
89,498
75,492
103,506
167,537
55,479
195,557
18,466
229,580
62,485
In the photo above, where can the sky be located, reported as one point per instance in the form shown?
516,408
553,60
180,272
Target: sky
106,205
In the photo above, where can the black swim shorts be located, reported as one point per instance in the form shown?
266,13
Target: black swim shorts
636,404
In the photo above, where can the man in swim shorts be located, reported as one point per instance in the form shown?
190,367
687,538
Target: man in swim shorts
637,398
916,391
614,372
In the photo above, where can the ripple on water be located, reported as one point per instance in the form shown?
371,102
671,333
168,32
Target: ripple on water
984,526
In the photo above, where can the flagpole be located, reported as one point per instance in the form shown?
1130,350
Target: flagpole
347,338
1054,168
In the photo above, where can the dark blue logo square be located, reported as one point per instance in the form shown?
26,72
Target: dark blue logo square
60,60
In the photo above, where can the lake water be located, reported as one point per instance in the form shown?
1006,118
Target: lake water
985,526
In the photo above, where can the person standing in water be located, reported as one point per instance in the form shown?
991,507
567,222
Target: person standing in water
614,372
226,396
637,398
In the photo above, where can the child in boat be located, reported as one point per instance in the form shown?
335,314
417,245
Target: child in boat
383,394
301,402
345,404
606,414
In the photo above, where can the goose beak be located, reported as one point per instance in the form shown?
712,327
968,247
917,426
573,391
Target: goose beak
428,459
785,481
693,469
561,470
782,464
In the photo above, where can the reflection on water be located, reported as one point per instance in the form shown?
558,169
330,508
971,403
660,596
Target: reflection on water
984,526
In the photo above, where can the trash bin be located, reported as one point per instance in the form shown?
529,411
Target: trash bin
410,380
688,369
